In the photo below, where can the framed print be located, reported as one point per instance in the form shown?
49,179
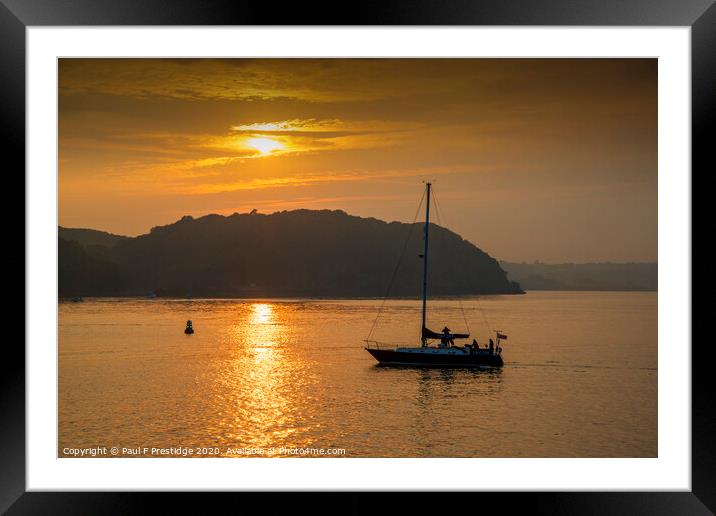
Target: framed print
420,249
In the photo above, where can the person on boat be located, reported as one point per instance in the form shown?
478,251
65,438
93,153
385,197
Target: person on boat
446,337
475,344
492,346
189,328
444,340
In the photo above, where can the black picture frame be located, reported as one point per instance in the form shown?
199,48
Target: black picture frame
700,15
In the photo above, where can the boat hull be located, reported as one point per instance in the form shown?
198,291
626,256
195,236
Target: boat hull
401,358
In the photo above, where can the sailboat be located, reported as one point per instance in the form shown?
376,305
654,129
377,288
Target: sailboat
445,353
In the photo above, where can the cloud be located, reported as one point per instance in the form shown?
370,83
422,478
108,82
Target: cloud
233,79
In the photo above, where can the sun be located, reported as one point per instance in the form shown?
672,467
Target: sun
264,145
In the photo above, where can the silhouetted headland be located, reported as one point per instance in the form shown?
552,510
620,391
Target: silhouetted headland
585,276
290,253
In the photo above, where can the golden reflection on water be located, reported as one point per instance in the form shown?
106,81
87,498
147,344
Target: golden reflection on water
263,376
262,313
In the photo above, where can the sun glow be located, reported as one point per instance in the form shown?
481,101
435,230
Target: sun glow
264,145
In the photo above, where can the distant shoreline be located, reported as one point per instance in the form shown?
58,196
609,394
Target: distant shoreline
592,277
334,298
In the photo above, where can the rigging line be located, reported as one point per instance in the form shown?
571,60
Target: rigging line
441,218
464,317
438,210
397,266
484,316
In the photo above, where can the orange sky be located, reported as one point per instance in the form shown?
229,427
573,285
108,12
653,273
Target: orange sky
532,159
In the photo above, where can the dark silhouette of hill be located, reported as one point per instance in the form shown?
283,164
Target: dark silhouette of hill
584,276
289,253
86,271
89,236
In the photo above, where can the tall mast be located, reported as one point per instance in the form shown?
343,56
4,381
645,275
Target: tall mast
425,263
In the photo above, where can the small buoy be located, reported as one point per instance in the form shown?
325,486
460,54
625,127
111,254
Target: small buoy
189,328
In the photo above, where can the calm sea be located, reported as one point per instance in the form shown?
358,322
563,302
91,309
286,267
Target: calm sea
291,377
